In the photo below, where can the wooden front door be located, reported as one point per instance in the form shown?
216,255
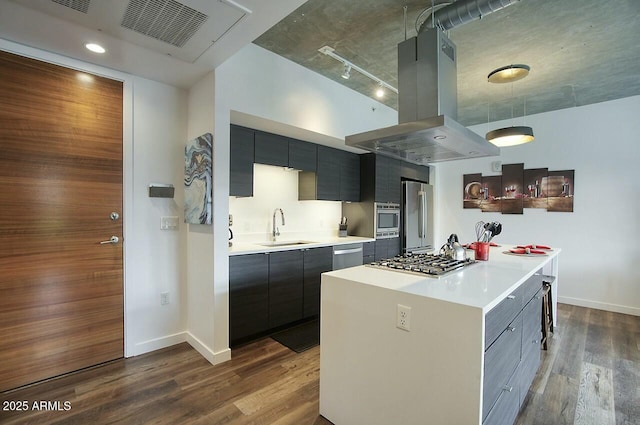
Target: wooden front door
61,290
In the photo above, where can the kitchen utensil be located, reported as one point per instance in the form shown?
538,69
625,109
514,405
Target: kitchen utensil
479,230
472,245
534,246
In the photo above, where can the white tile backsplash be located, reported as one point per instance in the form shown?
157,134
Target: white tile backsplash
275,187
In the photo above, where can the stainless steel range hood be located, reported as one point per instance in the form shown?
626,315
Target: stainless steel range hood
428,131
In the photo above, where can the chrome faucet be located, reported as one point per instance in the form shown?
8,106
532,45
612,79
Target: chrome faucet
276,231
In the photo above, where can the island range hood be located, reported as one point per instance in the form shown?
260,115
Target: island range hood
427,108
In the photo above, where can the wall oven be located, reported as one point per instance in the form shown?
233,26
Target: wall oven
387,220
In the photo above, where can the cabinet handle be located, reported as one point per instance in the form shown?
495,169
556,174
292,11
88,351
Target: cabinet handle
511,297
511,328
507,388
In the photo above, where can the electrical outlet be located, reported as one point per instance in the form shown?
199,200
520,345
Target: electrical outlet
164,298
403,319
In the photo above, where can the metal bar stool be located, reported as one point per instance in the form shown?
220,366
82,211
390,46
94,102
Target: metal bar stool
547,313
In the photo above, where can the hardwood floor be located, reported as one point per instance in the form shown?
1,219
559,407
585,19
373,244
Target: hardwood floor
589,375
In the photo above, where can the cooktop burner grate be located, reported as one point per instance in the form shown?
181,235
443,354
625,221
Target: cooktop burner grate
425,264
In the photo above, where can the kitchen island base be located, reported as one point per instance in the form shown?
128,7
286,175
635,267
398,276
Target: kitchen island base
451,366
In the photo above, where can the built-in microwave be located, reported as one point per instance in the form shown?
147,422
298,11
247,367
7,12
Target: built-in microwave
387,220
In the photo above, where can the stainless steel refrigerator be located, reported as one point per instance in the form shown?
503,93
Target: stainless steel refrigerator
417,217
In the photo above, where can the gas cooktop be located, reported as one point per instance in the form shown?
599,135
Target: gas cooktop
423,264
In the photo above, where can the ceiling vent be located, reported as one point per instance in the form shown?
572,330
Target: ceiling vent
79,5
164,20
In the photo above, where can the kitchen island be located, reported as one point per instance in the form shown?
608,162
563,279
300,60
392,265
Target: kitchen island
468,356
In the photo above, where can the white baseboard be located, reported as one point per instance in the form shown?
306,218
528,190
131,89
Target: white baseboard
634,311
213,357
158,343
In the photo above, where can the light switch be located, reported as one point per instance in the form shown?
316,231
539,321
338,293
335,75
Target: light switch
169,223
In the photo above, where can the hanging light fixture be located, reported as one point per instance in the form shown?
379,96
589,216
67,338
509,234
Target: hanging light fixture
514,135
508,74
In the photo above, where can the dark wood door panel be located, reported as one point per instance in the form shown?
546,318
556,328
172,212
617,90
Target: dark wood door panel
61,291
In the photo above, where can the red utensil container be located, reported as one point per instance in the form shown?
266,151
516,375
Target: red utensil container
482,251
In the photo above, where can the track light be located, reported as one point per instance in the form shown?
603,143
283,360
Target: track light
348,66
347,71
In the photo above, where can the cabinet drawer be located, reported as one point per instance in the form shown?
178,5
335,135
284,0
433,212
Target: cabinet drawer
531,319
529,288
497,319
528,366
506,409
500,360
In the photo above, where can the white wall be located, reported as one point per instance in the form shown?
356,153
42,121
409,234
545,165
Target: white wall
155,261
153,136
275,187
598,266
262,84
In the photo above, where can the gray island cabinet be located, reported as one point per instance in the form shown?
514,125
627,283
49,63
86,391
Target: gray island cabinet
469,356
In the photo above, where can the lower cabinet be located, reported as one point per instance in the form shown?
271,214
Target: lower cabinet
386,248
512,354
316,261
248,295
368,252
285,287
271,290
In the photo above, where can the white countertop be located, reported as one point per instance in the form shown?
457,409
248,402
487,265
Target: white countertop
241,248
482,285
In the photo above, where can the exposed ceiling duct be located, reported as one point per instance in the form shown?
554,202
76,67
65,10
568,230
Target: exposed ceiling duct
427,81
463,11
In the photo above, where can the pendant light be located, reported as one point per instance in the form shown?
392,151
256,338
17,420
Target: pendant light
514,135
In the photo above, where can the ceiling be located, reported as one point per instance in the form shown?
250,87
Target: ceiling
580,51
176,42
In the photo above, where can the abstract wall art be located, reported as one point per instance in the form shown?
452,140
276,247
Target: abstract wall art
198,160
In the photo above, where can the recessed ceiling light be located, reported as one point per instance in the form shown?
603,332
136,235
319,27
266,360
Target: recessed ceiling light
95,48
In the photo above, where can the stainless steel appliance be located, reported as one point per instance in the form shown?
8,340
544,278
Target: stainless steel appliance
347,256
417,229
422,264
427,108
387,220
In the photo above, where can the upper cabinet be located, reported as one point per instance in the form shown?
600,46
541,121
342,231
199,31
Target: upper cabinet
271,149
337,177
241,152
382,177
303,155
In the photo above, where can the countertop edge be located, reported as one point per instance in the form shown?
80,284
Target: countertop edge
254,248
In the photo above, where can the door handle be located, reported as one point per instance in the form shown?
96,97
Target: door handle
112,240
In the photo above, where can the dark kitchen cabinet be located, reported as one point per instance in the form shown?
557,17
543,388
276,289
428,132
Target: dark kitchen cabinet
271,149
241,153
337,177
316,261
386,248
381,179
248,295
349,176
303,155
285,287
368,252
414,172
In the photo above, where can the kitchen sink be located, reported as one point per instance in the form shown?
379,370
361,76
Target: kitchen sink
285,243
